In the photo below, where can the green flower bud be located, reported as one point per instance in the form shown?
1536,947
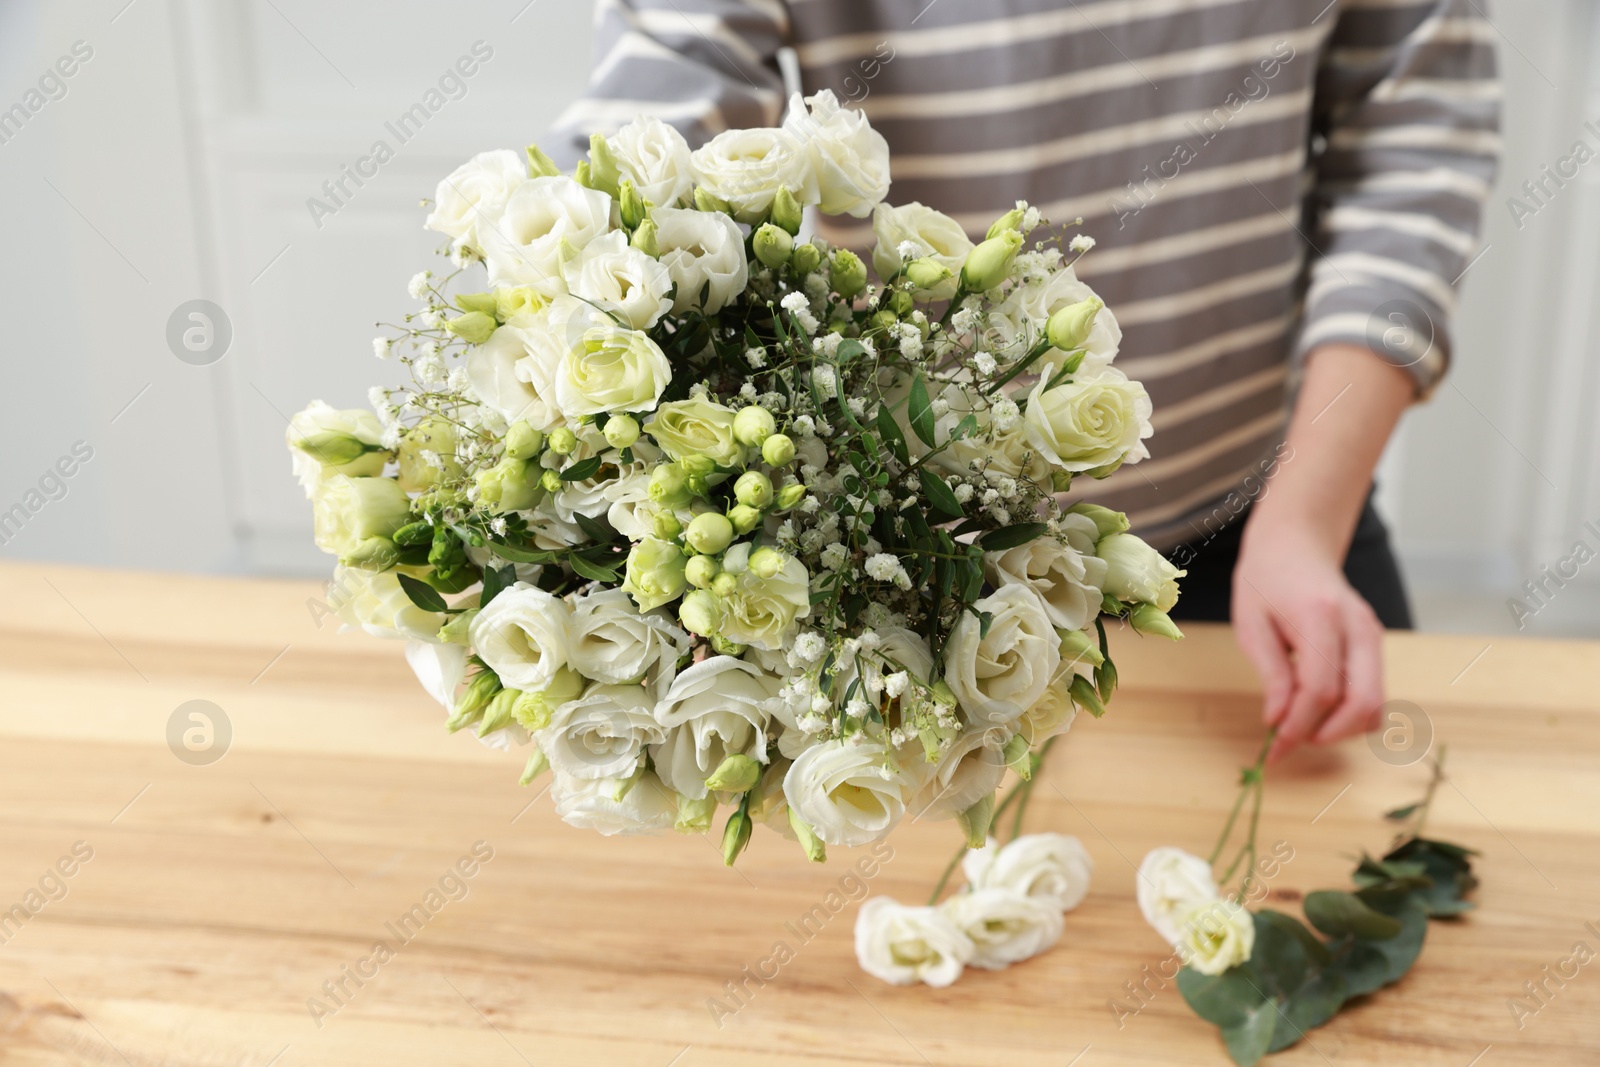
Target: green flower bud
480,690
1060,481
704,201
848,275
454,631
523,441
669,486
698,466
537,765
1016,756
753,425
926,273
509,485
654,573
767,562
735,774
744,518
580,174
665,525
790,495
1069,327
541,165
735,836
603,172
1077,646
901,304
473,327
723,647
753,489
772,245
787,212
709,534
701,570
816,851
372,554
778,450
1106,521
694,816
621,431
1149,619
563,441
334,449
988,264
1084,695
551,481
533,709
724,584
646,239
515,302
975,821
484,302
805,258
497,716
633,206
699,611
1011,220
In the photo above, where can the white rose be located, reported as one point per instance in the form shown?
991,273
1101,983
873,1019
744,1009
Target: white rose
1094,420
471,200
1049,867
514,373
701,248
968,771
1137,573
543,220
696,427
524,635
612,369
905,945
611,642
620,279
846,792
603,733
1004,927
849,159
932,232
1038,300
1067,581
375,602
655,157
996,452
346,511
638,805
747,167
1216,935
313,464
998,677
1171,882
762,612
713,710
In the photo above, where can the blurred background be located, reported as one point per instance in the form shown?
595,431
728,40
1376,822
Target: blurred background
175,162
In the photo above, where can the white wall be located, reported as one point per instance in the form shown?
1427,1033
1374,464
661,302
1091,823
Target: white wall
179,163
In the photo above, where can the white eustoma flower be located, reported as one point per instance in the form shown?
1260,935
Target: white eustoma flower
1216,935
524,635
713,710
619,279
1138,573
997,677
514,373
346,511
1004,927
374,601
1055,710
1068,581
470,201
746,168
543,222
1048,867
637,805
905,945
655,157
603,733
763,612
312,464
969,770
849,159
439,667
612,642
702,251
1096,420
628,500
928,232
846,792
1171,883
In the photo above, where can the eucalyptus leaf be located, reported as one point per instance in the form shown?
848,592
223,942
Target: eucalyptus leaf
1336,913
1250,1039
1224,999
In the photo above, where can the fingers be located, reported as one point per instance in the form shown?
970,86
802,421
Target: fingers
1363,669
1319,685
1265,648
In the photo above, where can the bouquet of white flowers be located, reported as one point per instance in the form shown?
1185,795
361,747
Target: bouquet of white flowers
709,518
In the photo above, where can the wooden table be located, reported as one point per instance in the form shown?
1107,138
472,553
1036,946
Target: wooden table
220,898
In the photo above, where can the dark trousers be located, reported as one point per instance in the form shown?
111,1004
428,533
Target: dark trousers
1206,593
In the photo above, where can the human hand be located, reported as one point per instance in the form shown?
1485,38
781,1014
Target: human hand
1316,643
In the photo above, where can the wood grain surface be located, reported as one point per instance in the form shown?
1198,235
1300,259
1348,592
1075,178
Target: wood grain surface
210,908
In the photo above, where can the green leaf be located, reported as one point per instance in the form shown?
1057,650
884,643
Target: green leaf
1318,999
1316,952
1447,866
595,530
496,579
584,468
518,554
1280,956
1249,1040
849,349
1224,999
1402,814
1011,536
422,594
939,494
592,571
1363,968
889,430
920,410
1337,913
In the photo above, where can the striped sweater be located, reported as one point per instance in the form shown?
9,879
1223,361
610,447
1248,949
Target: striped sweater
1262,176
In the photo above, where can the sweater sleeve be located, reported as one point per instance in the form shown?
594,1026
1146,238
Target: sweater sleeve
703,66
1407,122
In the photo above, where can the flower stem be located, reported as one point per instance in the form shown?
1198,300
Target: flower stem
1251,786
1433,787
1020,792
